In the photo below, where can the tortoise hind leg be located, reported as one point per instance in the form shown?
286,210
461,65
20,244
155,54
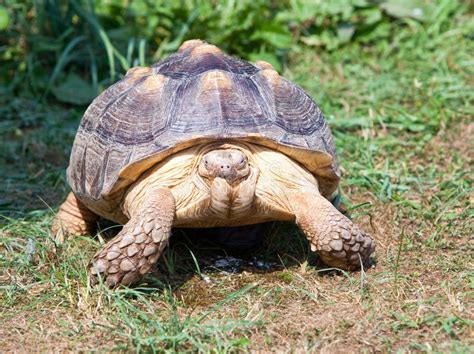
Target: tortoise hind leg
129,256
73,218
339,242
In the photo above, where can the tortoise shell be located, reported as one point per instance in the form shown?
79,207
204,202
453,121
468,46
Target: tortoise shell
196,95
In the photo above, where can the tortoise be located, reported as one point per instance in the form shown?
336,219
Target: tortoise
202,139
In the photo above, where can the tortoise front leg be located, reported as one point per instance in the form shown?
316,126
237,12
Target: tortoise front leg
73,218
129,256
339,241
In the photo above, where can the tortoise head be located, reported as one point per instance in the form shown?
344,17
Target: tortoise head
230,164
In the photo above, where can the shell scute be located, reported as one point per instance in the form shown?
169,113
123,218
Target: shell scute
263,65
138,71
205,49
190,44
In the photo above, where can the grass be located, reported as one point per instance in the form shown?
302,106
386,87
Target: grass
401,113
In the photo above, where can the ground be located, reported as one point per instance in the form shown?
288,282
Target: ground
401,115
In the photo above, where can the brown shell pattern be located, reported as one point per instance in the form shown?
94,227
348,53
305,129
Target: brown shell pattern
197,93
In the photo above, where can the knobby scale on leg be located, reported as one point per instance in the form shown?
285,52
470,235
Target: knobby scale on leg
126,258
339,241
73,218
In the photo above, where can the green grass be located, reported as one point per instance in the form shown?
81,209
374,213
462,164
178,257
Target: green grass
401,114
